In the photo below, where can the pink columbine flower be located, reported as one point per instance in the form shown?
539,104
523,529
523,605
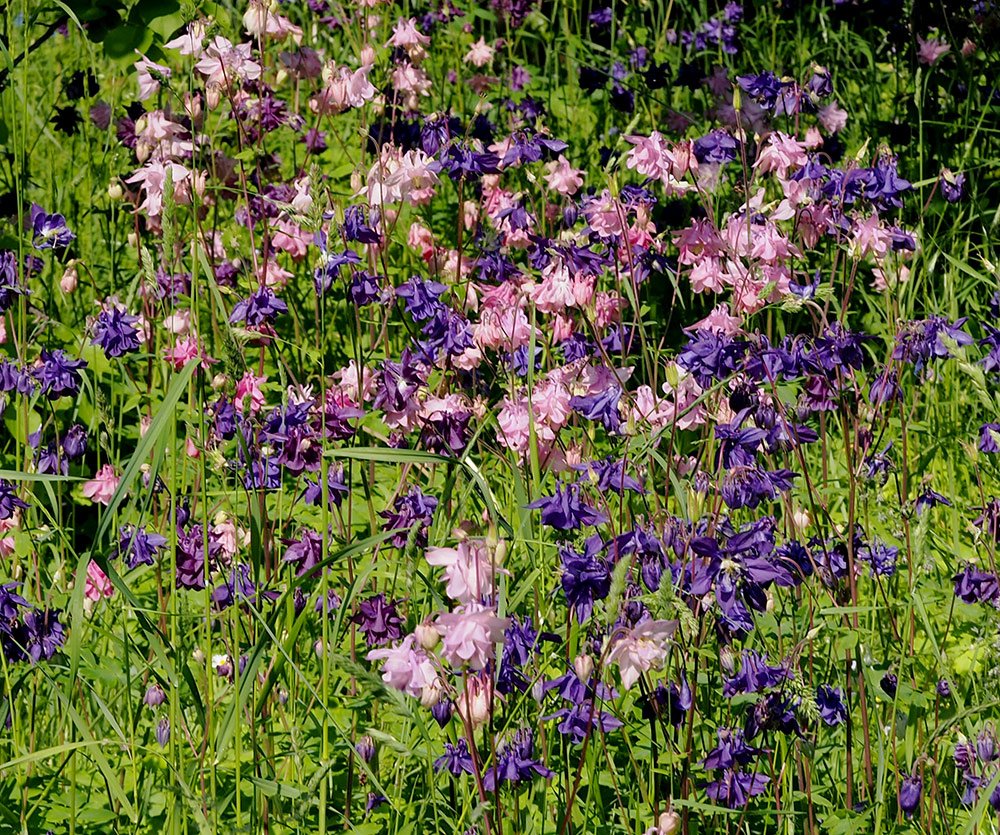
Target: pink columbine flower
97,584
190,42
479,54
249,385
148,85
930,51
409,668
641,649
562,177
261,22
477,697
224,64
469,570
469,635
832,117
102,486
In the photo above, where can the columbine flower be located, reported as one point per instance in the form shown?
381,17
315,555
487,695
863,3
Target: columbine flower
101,488
259,308
469,635
469,570
830,701
58,374
910,789
115,332
49,231
408,667
97,584
565,511
585,578
379,620
456,759
9,502
642,648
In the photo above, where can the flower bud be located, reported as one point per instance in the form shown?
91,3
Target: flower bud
427,636
583,666
669,823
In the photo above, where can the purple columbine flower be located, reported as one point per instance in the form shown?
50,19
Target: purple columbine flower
163,732
9,501
952,185
58,375
565,511
379,620
717,147
305,553
456,759
910,789
515,763
830,701
10,287
755,674
412,509
43,634
139,547
763,88
734,789
116,333
259,308
74,442
49,231
582,719
154,696
602,406
973,585
610,476
421,297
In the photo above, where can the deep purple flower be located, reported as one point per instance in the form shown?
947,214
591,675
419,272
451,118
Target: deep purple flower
755,674
731,750
952,186
582,719
910,789
830,701
515,762
610,476
989,438
337,488
163,732
421,297
412,509
585,577
565,511
305,553
602,406
889,684
10,286
763,88
364,288
43,634
58,375
139,547
259,308
49,231
972,585
455,759
116,333
9,501
734,789
379,620
881,558
74,442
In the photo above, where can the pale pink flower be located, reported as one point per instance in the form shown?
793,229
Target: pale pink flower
224,64
409,668
562,177
97,584
832,117
479,54
148,85
649,155
469,570
930,51
476,699
413,81
290,238
869,237
641,649
718,321
605,215
779,154
152,179
260,21
190,42
469,635
183,351
102,486
344,88
405,35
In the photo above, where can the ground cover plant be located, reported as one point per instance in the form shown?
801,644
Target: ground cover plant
505,417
